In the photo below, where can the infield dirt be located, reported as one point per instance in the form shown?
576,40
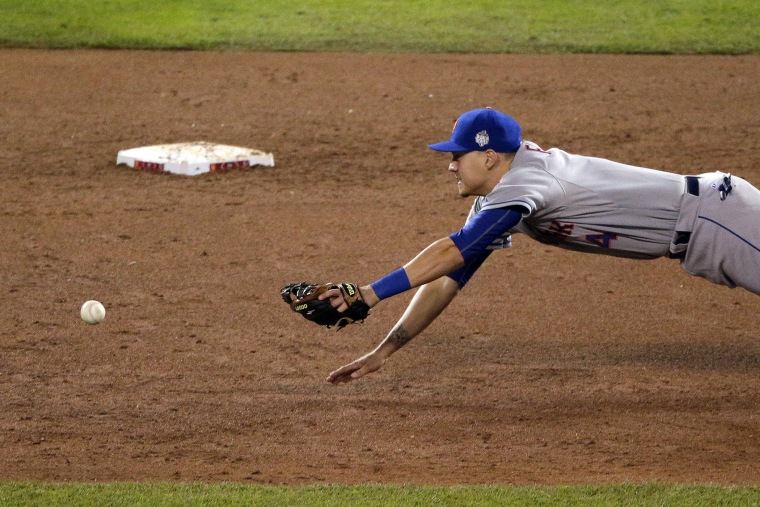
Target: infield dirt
550,367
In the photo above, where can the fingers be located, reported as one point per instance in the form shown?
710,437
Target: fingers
336,299
330,294
343,374
356,370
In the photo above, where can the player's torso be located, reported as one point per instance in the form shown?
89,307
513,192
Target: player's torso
592,204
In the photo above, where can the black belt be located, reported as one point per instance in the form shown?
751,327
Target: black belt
692,185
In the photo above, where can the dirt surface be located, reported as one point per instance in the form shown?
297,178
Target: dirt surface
550,367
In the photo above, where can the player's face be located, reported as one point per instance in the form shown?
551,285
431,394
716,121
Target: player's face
470,171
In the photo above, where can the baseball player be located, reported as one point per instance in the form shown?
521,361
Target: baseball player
707,221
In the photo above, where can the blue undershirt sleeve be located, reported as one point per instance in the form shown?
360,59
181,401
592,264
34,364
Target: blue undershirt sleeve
462,275
483,229
475,237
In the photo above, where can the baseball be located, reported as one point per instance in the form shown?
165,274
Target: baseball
93,312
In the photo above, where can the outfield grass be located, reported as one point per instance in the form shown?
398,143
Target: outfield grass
230,495
611,26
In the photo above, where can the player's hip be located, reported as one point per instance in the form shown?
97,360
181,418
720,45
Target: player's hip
717,236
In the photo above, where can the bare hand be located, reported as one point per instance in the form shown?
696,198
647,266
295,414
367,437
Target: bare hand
357,369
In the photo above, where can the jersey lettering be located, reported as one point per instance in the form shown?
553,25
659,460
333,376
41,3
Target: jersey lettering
560,230
602,240
563,231
532,147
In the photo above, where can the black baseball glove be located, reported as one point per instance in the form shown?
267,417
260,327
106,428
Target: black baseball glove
303,298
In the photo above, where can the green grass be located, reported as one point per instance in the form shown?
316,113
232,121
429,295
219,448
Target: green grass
230,495
490,26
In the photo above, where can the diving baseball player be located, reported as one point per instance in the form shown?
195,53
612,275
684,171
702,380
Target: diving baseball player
707,221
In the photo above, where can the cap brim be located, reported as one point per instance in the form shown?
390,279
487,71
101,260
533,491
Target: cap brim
449,146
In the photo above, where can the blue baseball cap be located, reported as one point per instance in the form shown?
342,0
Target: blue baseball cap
483,129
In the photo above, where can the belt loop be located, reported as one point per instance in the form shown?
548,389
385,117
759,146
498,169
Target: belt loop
692,185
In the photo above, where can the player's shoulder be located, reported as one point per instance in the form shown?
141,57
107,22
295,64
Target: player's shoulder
529,157
532,156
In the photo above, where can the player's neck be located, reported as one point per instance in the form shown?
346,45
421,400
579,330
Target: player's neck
500,170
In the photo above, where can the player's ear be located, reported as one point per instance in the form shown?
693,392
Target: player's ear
491,159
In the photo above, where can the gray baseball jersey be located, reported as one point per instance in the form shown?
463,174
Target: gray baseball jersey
595,205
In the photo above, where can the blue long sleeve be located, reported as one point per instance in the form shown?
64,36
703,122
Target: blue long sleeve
473,239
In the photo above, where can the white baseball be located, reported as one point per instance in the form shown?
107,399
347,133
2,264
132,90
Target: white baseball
93,312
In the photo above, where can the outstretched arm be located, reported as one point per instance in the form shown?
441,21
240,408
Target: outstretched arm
441,269
429,301
440,258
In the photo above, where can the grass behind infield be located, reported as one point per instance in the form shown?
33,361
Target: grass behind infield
230,495
493,26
